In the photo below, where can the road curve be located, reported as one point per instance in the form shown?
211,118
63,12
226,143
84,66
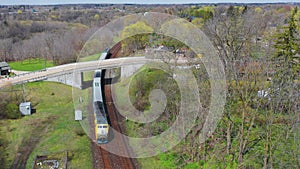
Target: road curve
84,67
69,68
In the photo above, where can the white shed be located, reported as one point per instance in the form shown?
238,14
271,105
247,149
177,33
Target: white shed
78,115
25,108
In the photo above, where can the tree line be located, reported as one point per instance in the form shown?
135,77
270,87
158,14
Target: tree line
259,47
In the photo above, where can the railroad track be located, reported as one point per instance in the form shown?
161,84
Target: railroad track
116,119
101,157
105,157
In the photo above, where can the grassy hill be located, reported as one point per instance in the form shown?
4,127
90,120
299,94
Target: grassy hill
51,129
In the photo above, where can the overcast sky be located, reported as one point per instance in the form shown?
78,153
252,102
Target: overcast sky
45,2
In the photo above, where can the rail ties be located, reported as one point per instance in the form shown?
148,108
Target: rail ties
105,157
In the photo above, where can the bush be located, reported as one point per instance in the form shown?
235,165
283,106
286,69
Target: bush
9,104
12,111
79,131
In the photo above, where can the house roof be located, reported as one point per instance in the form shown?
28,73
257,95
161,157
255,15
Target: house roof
3,64
25,104
5,68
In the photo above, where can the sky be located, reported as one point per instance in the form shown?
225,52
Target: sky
51,2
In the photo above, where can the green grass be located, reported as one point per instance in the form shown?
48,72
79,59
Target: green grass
90,58
30,64
53,124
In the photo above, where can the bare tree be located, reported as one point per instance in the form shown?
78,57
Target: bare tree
235,32
6,49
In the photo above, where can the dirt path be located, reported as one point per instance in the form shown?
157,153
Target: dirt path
28,144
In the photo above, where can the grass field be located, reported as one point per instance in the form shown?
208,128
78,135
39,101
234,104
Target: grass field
51,129
30,64
90,58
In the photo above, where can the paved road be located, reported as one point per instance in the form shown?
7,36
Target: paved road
18,72
79,67
69,68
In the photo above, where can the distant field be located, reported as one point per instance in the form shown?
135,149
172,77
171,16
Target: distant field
50,130
30,64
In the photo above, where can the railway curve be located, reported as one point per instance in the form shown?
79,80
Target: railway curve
101,157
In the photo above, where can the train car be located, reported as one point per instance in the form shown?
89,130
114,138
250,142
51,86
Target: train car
97,91
101,124
100,115
104,54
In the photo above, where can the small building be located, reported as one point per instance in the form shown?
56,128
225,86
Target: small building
4,68
25,108
78,115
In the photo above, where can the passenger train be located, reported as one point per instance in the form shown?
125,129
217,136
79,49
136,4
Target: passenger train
100,114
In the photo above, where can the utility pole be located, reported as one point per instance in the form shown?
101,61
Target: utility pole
23,91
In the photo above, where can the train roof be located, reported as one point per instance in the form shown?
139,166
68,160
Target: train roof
103,55
100,112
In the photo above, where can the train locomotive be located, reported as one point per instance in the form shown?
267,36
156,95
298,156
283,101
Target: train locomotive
100,115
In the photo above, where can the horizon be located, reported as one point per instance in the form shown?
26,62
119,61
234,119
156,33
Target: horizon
137,2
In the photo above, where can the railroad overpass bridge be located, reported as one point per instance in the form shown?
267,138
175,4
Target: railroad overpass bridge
74,71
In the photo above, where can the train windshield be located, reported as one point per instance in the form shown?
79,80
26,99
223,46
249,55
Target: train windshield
97,74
